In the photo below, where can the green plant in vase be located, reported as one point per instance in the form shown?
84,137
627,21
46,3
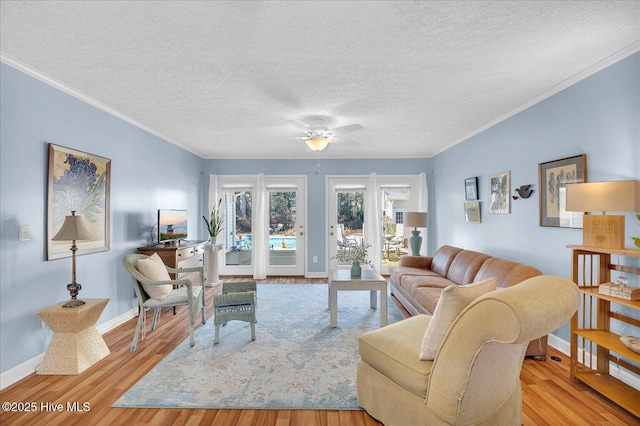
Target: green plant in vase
356,255
215,224
636,240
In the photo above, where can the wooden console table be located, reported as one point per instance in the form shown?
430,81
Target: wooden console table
185,254
76,344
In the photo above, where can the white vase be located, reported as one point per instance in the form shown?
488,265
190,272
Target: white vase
211,258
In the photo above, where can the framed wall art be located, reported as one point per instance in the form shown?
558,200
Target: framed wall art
471,188
553,176
500,192
80,182
472,211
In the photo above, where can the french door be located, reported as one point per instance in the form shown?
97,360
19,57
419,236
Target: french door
286,243
371,209
265,220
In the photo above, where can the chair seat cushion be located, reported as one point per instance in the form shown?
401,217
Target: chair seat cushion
154,269
394,350
175,297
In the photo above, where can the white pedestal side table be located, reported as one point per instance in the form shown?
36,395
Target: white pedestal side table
371,280
76,344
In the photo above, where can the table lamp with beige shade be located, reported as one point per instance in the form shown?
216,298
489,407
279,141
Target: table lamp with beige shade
73,229
415,220
604,231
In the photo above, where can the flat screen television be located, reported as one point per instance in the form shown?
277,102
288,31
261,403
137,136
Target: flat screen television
172,225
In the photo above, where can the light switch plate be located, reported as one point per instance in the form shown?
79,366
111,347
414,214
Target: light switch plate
24,233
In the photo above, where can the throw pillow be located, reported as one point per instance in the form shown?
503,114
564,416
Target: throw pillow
453,300
154,269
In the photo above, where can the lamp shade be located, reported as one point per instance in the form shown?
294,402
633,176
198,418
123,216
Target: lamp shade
73,228
416,219
619,196
317,143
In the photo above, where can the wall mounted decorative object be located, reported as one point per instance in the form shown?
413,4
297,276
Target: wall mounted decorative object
499,192
80,182
552,179
472,211
524,191
471,188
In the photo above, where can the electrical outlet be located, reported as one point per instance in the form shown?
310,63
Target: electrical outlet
315,259
24,233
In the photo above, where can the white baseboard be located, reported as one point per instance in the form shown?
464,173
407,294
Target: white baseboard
316,275
21,371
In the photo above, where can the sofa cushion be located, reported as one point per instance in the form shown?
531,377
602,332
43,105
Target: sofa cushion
507,272
400,271
452,301
443,258
412,283
428,297
394,350
465,266
154,269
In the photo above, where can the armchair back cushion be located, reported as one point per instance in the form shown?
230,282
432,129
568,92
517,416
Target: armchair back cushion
154,269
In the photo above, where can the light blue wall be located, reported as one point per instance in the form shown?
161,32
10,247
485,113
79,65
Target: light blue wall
599,116
317,171
147,173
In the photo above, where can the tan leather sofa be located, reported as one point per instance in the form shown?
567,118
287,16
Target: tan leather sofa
419,280
475,375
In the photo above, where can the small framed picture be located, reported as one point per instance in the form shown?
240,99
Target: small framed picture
471,188
472,211
500,192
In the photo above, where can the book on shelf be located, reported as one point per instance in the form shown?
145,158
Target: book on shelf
615,290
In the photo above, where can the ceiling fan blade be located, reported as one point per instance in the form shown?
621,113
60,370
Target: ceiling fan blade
345,129
300,126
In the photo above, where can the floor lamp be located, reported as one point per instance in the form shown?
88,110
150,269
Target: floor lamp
73,229
415,220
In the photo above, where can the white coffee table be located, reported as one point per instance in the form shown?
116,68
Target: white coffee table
371,280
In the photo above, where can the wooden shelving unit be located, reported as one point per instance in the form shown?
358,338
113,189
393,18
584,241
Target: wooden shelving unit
591,326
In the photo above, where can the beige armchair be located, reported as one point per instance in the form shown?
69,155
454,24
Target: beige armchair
475,376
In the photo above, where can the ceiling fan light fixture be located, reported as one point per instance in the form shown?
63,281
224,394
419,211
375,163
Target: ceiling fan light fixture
317,143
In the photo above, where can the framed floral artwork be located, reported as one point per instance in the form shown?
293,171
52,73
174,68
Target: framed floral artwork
500,192
77,181
553,176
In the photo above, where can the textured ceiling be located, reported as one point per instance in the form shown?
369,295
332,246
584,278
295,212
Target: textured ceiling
221,78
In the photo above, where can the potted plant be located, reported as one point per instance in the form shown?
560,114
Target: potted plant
215,225
356,255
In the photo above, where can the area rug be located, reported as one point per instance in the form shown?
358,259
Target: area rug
296,362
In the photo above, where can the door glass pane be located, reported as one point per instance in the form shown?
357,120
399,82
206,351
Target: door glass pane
282,228
350,215
395,202
238,238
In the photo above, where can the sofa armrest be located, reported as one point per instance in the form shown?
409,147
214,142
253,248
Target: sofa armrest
416,261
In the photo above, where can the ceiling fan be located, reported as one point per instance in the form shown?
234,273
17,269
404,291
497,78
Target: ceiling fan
319,136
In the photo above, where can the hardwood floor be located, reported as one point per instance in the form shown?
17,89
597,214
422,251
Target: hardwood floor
549,398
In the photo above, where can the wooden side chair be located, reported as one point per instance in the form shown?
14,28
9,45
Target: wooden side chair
238,301
155,290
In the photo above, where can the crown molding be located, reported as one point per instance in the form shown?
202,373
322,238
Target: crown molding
587,72
38,75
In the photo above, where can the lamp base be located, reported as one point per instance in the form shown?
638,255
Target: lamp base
603,231
415,241
73,303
